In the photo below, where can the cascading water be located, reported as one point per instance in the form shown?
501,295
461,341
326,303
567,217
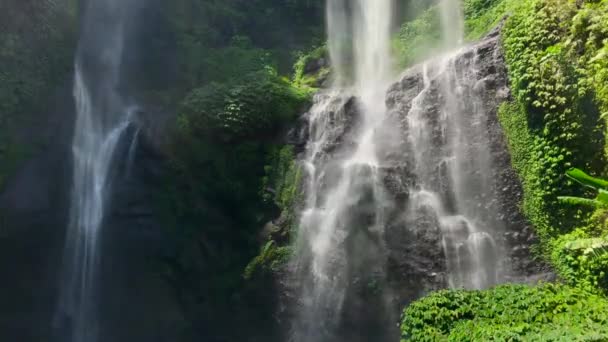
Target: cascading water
453,163
341,226
102,120
452,23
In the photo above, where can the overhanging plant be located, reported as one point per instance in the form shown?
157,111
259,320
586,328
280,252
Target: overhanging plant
597,184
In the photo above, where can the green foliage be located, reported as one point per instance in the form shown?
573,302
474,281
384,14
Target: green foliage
270,259
36,43
282,179
203,64
548,312
581,177
281,187
418,39
582,261
220,39
247,107
553,122
303,76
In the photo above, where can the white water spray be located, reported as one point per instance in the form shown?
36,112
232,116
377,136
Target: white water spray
453,165
337,191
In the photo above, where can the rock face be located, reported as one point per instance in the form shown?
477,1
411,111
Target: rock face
414,252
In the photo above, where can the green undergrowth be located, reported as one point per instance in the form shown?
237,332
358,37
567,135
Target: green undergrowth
242,108
36,46
548,312
281,187
555,122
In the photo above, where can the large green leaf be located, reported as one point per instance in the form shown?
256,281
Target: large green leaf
569,200
597,245
601,200
602,197
581,177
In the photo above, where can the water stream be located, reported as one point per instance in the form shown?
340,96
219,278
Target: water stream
340,191
102,121
453,166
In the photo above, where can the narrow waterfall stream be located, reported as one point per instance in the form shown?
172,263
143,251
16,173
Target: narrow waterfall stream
102,121
454,169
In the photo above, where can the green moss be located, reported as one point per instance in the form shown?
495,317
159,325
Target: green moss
548,312
283,174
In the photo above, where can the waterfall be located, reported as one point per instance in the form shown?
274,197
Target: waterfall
453,166
101,122
342,219
453,161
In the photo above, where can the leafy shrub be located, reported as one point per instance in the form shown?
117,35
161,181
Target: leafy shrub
217,40
548,312
252,106
582,261
281,182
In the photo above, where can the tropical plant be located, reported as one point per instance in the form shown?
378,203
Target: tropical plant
597,184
